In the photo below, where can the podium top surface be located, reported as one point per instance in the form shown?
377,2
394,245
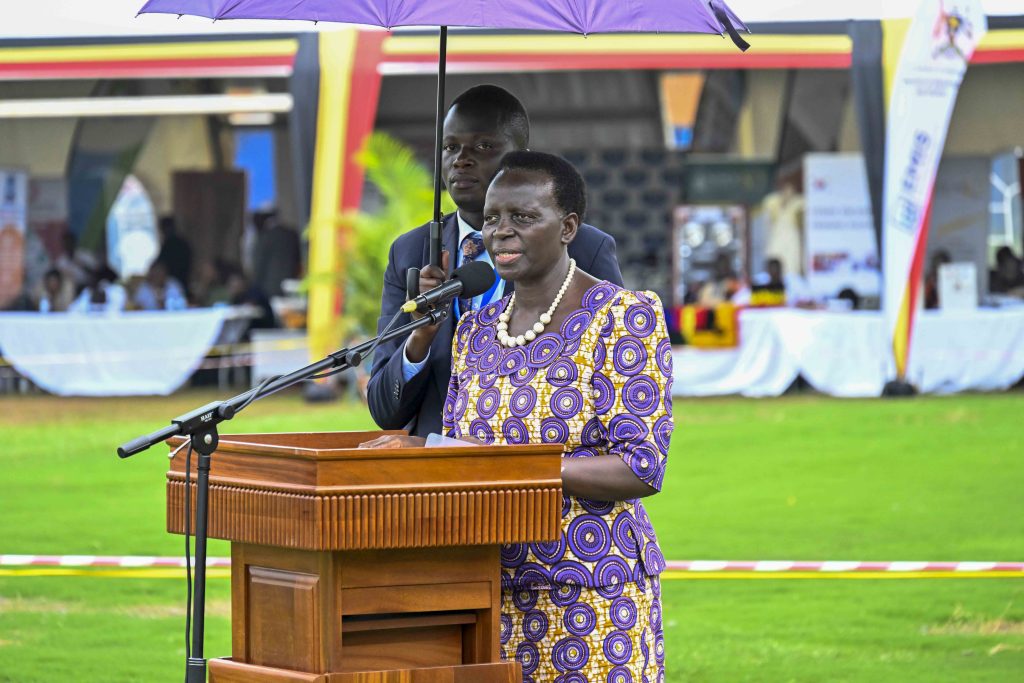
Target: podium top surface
322,492
332,462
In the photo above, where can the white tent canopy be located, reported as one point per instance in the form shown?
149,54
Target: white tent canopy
116,18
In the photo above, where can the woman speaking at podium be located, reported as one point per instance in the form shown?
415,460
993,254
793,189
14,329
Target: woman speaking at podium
569,359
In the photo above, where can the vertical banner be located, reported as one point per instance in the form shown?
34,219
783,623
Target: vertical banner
839,242
939,44
13,221
349,88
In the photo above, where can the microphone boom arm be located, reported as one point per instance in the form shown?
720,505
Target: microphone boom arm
209,416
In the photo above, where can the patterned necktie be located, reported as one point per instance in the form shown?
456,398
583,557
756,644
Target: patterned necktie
472,247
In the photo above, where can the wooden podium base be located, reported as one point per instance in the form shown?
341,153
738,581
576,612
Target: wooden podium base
230,671
423,615
353,565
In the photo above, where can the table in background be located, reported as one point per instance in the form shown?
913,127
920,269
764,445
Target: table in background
847,354
127,354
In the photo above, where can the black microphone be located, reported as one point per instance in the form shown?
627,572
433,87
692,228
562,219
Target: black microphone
472,279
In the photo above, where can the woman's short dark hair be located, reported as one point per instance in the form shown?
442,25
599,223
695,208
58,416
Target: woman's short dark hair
569,189
508,112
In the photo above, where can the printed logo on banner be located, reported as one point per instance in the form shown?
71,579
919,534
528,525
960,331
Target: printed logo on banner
908,209
952,29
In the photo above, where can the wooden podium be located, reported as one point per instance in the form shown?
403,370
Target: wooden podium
355,565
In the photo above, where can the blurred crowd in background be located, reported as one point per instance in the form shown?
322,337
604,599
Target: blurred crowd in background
77,281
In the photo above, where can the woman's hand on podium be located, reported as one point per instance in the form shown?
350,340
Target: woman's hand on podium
395,441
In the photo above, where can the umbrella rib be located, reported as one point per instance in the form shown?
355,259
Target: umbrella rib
226,9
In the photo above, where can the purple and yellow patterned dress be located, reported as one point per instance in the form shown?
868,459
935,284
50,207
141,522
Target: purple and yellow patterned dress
585,608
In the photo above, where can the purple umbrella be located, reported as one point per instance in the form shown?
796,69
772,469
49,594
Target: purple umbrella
576,16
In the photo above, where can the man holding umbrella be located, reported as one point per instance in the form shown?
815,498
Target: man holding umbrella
409,379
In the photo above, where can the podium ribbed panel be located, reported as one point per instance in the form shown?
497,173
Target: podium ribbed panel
374,521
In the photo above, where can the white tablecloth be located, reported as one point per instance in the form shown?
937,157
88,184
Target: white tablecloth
134,353
846,354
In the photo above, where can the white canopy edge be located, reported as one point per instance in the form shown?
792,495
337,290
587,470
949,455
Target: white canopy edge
75,19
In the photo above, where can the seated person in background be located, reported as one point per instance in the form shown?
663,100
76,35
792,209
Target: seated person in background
277,256
848,294
175,252
725,285
931,280
103,294
77,265
56,295
160,291
776,288
1008,276
210,284
243,293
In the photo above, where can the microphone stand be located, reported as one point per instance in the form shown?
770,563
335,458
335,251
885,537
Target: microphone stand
200,426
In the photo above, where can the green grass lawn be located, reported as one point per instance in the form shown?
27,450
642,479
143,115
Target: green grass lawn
794,478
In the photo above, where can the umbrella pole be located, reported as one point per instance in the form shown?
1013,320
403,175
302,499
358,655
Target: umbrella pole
435,224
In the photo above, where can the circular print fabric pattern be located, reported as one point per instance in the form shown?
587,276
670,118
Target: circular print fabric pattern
513,361
640,320
489,359
576,324
481,340
523,401
535,625
589,537
641,396
618,648
488,315
625,428
549,552
579,619
487,404
562,373
515,432
623,613
598,294
566,403
544,349
481,429
604,393
629,356
523,377
570,654
553,430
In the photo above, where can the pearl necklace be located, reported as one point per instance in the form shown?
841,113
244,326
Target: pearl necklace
538,328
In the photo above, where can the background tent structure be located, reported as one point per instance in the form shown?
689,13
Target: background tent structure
333,74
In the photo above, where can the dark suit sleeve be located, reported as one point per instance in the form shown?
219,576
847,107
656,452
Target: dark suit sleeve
605,265
393,402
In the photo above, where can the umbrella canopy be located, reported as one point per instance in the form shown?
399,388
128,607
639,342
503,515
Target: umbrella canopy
581,16
576,16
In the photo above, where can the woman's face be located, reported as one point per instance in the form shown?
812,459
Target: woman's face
525,231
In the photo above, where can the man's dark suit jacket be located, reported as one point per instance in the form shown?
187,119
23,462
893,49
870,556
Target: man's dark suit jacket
416,405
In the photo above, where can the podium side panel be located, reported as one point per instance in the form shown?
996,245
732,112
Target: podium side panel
284,618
